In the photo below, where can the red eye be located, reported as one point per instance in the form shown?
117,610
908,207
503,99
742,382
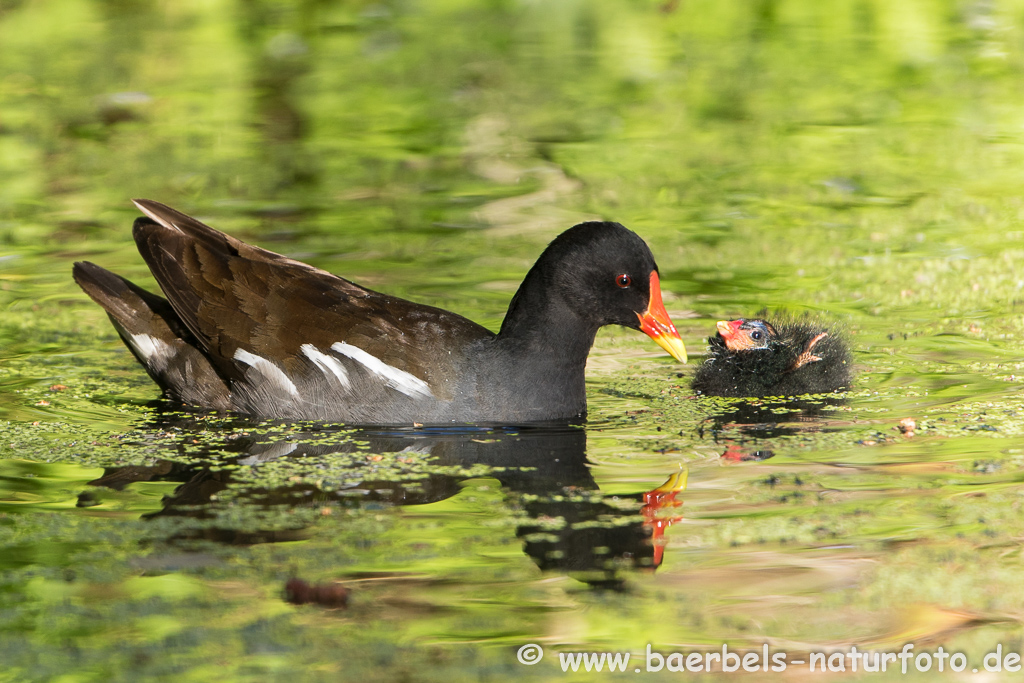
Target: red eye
623,281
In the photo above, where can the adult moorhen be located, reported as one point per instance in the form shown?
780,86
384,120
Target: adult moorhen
785,358
248,330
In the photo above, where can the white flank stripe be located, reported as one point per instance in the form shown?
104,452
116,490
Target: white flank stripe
327,364
272,373
410,385
155,352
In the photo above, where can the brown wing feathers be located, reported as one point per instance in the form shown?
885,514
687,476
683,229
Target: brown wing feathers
234,328
232,295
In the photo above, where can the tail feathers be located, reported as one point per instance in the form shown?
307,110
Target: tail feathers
156,337
135,309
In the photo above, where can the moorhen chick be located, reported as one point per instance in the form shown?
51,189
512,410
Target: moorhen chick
248,330
784,358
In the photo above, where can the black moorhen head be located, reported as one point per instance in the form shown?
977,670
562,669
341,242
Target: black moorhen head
785,358
248,330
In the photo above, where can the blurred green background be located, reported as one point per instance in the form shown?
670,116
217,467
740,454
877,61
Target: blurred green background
859,159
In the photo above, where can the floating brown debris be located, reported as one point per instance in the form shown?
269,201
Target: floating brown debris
299,592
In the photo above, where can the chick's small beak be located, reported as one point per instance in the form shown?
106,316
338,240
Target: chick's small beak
728,328
656,324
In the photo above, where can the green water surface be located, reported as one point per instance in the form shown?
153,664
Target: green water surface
857,159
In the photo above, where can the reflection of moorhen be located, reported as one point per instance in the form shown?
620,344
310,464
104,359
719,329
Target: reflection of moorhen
542,470
785,358
249,330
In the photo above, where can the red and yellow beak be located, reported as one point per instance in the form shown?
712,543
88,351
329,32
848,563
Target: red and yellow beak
656,324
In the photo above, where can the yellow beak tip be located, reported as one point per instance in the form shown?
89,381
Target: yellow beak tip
674,346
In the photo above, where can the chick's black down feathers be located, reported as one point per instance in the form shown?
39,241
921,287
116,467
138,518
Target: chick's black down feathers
785,357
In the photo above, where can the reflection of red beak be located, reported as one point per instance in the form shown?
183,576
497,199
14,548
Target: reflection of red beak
728,330
656,324
659,499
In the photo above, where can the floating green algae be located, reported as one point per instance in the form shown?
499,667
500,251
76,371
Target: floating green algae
859,161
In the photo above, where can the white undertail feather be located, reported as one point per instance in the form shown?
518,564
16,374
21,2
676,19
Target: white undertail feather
155,353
